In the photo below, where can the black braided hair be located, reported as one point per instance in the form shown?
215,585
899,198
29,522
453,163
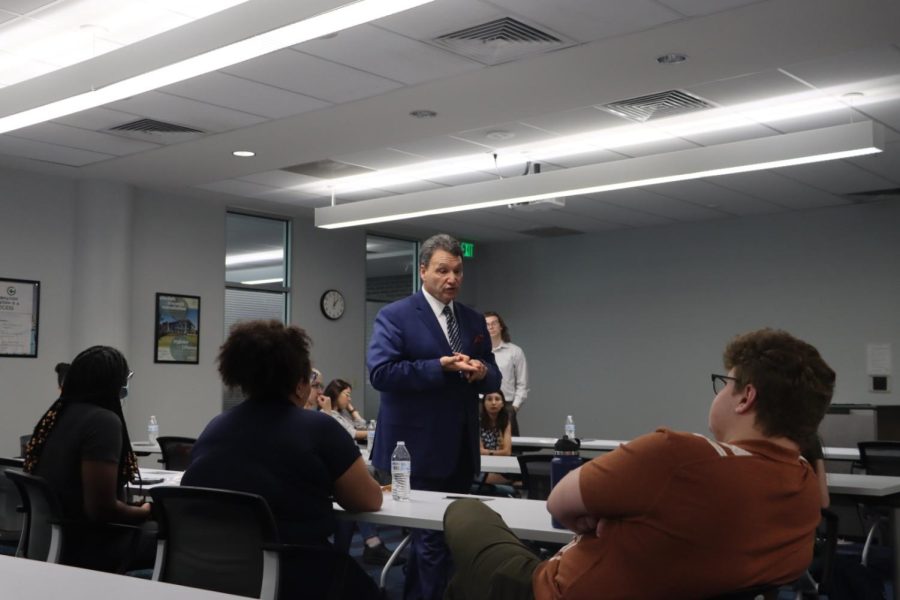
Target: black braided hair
95,377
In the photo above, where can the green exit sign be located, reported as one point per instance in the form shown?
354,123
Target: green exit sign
468,249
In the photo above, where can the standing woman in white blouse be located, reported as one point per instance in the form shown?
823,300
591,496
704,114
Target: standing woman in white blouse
513,367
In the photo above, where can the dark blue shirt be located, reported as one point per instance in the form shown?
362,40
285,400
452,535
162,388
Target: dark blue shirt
287,455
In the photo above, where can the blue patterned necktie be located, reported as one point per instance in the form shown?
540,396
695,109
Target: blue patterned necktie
452,330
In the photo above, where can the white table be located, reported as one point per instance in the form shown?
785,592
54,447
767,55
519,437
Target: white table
145,448
830,452
24,579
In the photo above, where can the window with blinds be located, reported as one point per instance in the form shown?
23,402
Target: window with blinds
257,282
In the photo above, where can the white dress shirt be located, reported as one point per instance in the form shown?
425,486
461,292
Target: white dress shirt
438,307
514,369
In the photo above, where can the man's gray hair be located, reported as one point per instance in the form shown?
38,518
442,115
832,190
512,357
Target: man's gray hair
441,241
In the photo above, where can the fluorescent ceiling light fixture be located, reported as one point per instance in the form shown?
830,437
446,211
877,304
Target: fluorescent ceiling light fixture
254,257
263,281
61,34
244,153
831,143
349,15
769,111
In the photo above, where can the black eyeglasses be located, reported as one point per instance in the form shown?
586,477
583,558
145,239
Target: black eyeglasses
720,381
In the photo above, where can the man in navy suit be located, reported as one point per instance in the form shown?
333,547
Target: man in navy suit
429,395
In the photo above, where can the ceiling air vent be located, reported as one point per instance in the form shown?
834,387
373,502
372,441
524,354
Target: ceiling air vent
500,41
154,126
548,232
657,106
327,169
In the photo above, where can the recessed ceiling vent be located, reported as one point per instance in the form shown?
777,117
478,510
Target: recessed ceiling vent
548,232
154,126
657,106
327,169
500,41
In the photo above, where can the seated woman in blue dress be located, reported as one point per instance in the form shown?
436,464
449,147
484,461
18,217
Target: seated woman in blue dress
298,460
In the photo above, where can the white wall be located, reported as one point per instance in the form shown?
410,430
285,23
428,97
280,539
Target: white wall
170,244
622,329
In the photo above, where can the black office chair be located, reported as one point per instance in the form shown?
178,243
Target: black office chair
176,452
876,458
227,542
49,537
11,517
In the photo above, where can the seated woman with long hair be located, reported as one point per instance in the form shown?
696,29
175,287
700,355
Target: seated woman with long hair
81,447
298,460
339,391
496,432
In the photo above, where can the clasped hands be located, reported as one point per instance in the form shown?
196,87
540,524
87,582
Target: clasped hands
471,368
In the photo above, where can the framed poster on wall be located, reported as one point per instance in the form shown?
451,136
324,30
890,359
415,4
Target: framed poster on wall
20,301
177,329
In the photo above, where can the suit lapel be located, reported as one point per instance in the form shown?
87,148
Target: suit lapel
426,315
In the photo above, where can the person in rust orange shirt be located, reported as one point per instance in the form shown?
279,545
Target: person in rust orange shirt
671,514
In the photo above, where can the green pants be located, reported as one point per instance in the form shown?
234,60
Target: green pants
491,562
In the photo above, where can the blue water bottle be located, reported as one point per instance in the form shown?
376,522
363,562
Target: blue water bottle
565,459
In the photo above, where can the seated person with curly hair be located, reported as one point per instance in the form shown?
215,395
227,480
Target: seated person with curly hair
671,514
298,460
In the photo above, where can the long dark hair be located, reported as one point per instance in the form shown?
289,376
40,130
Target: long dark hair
96,377
335,389
502,416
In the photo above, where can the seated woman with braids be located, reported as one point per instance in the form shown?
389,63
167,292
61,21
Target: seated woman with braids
81,447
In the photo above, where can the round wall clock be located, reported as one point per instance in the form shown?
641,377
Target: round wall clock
332,304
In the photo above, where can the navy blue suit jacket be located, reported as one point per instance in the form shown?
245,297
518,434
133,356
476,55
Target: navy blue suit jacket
435,412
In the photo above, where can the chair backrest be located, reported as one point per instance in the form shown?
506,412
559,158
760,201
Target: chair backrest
23,442
215,540
880,458
176,452
42,534
535,470
10,500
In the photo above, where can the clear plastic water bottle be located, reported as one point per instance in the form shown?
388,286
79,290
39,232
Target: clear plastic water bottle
370,436
152,429
570,427
401,466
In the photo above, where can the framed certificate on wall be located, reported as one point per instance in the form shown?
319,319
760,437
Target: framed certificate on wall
20,301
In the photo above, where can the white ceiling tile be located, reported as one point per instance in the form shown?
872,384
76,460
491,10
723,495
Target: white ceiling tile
280,179
463,178
73,137
774,188
731,135
849,71
579,120
586,158
467,226
295,198
362,195
560,218
236,187
23,7
251,97
72,157
837,177
412,186
695,8
595,207
827,119
186,112
646,200
500,218
389,55
660,147
519,132
6,16
886,112
707,193
886,163
586,20
748,88
382,158
445,146
311,76
437,18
